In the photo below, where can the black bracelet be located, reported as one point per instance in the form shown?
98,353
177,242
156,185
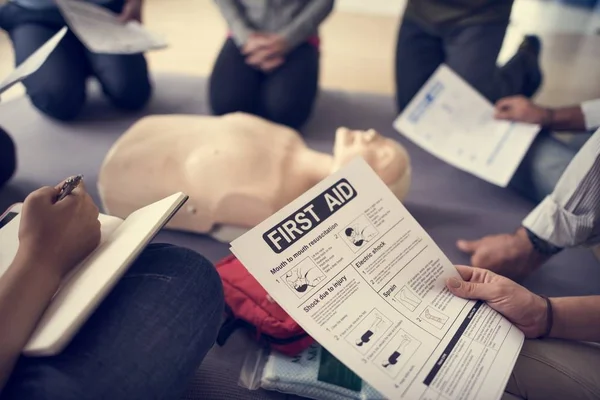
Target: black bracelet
549,317
541,246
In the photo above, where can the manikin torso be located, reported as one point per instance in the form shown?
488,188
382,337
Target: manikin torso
237,169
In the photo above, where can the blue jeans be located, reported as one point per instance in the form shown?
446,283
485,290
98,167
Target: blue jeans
145,341
58,88
8,158
471,51
544,164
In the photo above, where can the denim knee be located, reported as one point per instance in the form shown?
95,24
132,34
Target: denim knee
8,157
59,100
190,266
130,97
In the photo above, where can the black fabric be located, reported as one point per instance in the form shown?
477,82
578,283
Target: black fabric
8,158
285,95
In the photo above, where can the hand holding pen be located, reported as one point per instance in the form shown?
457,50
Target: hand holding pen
59,233
68,186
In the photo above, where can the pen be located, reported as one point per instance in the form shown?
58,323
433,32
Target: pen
68,187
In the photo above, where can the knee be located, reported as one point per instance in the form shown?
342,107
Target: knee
8,157
223,100
130,96
59,100
289,113
198,276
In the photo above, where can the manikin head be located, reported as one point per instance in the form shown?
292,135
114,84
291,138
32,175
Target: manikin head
388,158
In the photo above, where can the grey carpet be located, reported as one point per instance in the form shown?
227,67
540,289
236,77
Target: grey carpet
450,204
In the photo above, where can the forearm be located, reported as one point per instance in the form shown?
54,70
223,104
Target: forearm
25,292
236,21
576,318
567,118
307,22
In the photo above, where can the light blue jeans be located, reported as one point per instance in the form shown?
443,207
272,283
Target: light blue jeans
544,164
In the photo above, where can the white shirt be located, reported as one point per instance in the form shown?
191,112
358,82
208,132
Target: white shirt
591,113
570,216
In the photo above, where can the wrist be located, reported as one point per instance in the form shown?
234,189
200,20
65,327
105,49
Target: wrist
539,245
544,317
29,263
547,117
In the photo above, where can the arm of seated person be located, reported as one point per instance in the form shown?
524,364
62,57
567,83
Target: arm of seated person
522,109
572,318
54,237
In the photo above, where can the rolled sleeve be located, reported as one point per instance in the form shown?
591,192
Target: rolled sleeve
240,29
307,22
570,216
591,113
554,224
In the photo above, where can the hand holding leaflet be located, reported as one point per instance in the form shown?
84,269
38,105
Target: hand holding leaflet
382,309
33,62
101,31
452,121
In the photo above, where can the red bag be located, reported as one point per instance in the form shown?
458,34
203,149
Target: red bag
249,306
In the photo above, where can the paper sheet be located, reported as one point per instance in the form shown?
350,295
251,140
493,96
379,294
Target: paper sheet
9,238
349,263
452,121
101,32
33,62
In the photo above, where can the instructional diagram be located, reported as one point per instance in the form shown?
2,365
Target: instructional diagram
304,277
360,232
397,353
368,331
408,298
434,317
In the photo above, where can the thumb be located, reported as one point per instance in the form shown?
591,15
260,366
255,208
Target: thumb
125,15
468,290
504,108
468,246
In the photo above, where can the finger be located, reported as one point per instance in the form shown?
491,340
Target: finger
46,194
509,102
465,272
468,246
271,64
255,58
126,14
80,189
504,114
470,290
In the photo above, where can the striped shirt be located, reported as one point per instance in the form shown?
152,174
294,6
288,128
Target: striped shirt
570,216
295,20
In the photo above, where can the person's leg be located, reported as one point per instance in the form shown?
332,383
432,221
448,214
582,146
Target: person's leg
288,93
234,85
556,370
418,55
542,167
8,157
124,79
472,51
57,88
145,340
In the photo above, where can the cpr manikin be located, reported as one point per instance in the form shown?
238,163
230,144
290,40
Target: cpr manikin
237,169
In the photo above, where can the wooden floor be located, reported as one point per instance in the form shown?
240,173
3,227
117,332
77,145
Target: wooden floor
358,48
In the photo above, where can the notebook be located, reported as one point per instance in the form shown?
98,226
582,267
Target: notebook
82,291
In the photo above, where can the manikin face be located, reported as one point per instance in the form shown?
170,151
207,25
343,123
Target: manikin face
387,157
